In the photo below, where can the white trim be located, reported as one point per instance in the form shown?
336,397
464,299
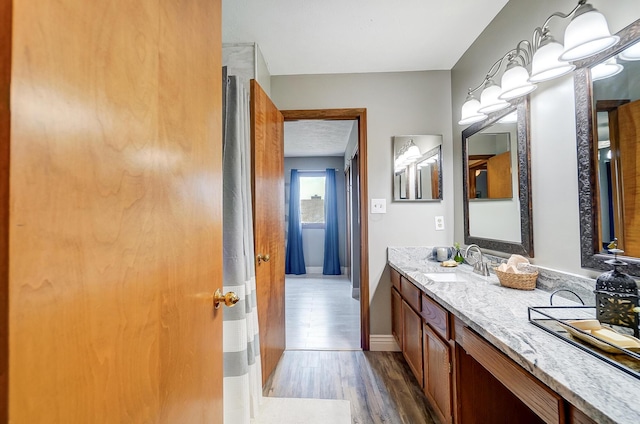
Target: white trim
383,343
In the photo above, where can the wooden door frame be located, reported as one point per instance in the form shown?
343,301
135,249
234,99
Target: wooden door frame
359,115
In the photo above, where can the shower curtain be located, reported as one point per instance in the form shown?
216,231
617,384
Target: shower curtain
242,371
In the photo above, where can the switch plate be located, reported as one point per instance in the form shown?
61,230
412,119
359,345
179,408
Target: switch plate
439,223
378,205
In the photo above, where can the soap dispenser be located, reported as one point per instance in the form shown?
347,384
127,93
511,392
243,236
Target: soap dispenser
617,295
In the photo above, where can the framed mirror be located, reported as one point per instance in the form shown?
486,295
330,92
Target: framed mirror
496,180
417,168
607,92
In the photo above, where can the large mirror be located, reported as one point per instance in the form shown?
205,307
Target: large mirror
496,176
417,168
607,89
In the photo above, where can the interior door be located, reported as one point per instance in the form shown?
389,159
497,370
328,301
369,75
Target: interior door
267,141
629,145
115,212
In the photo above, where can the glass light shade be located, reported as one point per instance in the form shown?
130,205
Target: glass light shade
413,152
546,66
515,83
587,34
470,112
489,101
606,69
631,53
511,118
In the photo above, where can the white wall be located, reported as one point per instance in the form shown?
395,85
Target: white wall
396,103
556,227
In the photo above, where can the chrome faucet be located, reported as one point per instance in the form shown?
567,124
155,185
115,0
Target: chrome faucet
480,266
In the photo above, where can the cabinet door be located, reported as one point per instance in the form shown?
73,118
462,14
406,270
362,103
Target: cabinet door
396,316
437,373
412,340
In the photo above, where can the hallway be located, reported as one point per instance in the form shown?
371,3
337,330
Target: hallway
321,314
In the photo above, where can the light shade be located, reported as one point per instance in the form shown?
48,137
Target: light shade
546,66
515,83
511,118
489,101
631,53
470,112
413,153
606,69
587,34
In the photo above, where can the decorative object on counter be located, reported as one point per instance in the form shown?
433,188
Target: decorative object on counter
517,273
596,334
458,256
441,254
565,290
617,295
449,263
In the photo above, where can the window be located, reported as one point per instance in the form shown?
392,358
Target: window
312,199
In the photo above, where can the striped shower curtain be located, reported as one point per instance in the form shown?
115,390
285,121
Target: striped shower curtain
242,371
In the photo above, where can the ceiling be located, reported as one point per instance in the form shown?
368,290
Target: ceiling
352,36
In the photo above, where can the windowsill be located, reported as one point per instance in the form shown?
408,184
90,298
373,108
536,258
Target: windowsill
313,225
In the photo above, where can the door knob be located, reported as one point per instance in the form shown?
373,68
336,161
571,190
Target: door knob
229,299
262,258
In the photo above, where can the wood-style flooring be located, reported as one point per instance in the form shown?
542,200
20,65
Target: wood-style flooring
320,313
379,385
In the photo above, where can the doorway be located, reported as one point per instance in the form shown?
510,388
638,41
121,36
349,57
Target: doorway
356,227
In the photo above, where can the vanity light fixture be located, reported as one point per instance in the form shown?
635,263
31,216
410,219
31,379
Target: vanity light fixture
586,35
407,154
606,69
631,53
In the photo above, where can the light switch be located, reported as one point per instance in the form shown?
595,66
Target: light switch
439,223
378,205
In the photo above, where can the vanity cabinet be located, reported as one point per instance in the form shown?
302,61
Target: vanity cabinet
437,373
412,340
396,316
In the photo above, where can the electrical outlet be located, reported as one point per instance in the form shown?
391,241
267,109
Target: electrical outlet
439,223
378,205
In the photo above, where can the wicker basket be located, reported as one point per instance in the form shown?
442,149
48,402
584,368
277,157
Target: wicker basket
517,281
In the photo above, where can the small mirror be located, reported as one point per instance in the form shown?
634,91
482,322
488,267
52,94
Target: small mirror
497,193
417,167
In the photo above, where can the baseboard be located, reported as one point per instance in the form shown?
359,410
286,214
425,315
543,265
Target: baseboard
383,343
355,293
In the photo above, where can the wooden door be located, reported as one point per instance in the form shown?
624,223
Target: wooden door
437,373
412,341
115,212
267,132
629,145
499,184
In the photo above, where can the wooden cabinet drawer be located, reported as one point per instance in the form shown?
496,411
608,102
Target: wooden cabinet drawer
395,279
436,316
410,293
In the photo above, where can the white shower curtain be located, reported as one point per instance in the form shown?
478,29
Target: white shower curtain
242,370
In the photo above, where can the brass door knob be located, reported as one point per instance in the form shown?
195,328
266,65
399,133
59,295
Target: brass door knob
229,299
262,258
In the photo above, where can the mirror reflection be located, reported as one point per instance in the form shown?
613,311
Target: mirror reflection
616,101
497,194
607,94
417,166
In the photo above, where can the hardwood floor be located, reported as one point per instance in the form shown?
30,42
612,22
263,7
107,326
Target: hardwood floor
379,385
320,313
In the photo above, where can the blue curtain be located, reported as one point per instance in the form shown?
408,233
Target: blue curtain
295,255
331,241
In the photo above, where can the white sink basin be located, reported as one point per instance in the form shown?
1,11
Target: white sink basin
444,277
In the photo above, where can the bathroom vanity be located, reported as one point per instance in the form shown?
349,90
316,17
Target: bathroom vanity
477,357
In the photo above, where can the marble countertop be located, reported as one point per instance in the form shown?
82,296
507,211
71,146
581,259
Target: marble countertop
499,314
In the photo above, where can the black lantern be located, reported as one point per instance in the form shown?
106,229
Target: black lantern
617,296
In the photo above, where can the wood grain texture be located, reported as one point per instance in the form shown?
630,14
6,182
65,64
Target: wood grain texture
412,341
115,212
379,385
267,141
360,115
5,143
396,317
436,316
395,278
437,373
411,294
539,398
499,176
576,416
629,144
